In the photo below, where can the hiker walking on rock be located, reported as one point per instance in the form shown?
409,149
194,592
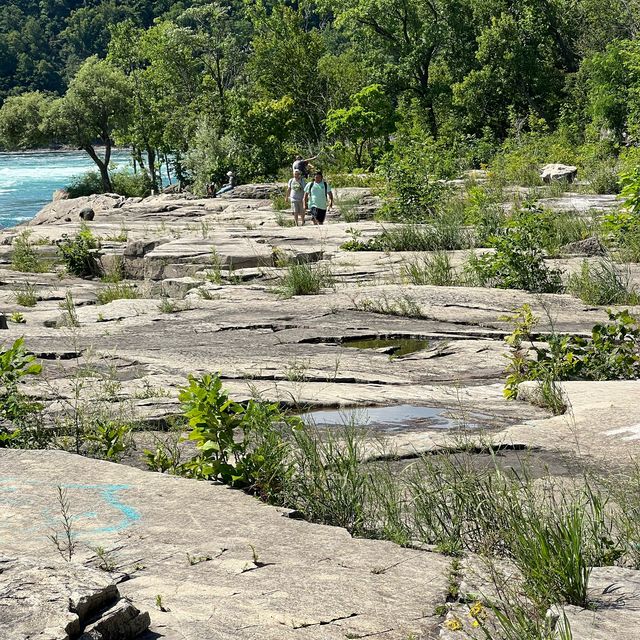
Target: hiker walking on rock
295,194
303,165
318,197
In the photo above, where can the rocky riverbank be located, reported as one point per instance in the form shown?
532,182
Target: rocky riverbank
207,297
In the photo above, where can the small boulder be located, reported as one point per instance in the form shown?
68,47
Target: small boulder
87,214
587,247
60,194
552,172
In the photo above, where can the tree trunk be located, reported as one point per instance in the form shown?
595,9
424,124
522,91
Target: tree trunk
166,166
151,162
103,166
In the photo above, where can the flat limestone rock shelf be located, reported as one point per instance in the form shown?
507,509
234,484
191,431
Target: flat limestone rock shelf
219,563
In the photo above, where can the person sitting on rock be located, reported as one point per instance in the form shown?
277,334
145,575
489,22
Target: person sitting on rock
295,194
318,197
303,165
231,183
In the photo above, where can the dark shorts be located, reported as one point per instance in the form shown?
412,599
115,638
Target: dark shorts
318,214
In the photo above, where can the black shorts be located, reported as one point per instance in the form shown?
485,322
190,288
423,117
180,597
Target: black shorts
318,214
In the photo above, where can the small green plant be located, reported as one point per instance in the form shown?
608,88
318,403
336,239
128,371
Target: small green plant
78,253
284,220
69,314
278,201
602,283
400,306
26,295
167,305
193,560
17,318
160,604
110,440
117,292
106,559
305,280
630,190
348,208
114,272
24,257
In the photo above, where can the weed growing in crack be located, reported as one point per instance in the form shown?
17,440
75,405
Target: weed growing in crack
305,280
64,540
117,291
26,295
435,270
603,283
24,257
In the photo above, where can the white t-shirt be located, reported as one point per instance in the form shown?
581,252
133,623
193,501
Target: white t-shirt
297,189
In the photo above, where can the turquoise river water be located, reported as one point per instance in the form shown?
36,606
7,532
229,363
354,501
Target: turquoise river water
28,179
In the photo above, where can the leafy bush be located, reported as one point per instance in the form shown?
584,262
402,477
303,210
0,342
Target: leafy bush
78,253
410,193
602,283
517,263
612,352
24,256
85,184
124,183
16,409
242,446
630,190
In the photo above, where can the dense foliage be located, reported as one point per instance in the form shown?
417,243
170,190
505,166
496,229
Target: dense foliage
422,89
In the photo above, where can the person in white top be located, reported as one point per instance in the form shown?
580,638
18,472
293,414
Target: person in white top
295,194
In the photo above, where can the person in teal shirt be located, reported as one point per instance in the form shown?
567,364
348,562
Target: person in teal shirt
318,197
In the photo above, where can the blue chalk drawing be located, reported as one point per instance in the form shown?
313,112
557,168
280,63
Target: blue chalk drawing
110,494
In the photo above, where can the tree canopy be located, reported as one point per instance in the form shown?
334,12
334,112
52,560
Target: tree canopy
245,85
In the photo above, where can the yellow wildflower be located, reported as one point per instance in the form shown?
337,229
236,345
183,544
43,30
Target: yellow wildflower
453,624
477,611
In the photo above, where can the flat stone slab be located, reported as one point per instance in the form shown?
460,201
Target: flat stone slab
254,573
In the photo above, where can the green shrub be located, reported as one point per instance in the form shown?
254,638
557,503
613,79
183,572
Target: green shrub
117,291
16,410
85,184
131,185
242,446
410,193
305,280
602,283
78,253
123,181
110,440
278,201
612,352
517,263
630,190
24,257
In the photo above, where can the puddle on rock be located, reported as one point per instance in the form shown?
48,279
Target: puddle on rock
396,347
403,417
